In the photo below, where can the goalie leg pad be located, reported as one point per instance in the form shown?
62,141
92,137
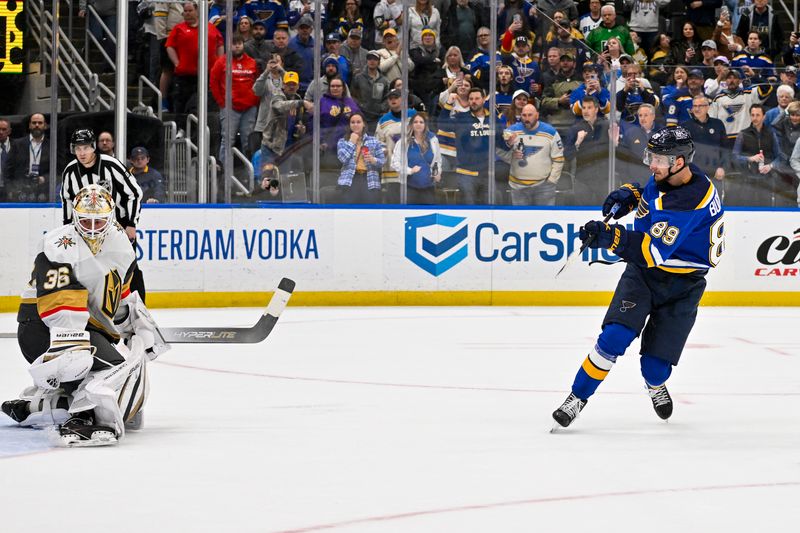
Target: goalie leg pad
115,394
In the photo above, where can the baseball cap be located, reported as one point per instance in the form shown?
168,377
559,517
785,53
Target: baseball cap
394,93
625,57
592,66
521,39
389,31
735,72
721,59
567,55
696,73
708,43
791,69
305,20
139,150
355,32
291,77
428,30
520,92
373,53
333,36
261,23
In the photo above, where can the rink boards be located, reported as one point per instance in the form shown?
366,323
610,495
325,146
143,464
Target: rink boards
360,256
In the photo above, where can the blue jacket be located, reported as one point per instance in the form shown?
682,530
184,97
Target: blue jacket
472,143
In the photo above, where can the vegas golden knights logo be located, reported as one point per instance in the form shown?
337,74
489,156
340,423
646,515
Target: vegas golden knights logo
112,293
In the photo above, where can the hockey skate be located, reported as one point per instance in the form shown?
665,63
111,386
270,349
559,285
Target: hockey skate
568,411
80,431
662,402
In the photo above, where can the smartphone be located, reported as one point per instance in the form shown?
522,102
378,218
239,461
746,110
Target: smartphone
517,18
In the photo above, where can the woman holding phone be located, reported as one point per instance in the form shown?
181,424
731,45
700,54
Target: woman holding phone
423,161
362,157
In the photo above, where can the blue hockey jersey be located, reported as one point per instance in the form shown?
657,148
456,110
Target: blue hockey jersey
677,229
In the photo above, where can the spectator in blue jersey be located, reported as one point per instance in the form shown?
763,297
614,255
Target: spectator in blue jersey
591,86
760,17
709,138
362,157
506,88
757,155
272,13
423,161
149,179
536,155
587,143
753,62
525,66
479,59
303,44
667,254
453,101
678,104
472,131
635,92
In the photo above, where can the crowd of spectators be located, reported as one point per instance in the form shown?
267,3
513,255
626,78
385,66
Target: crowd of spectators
724,69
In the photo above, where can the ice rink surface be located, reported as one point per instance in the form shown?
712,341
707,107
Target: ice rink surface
428,420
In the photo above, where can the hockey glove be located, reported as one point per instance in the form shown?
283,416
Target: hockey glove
627,197
598,234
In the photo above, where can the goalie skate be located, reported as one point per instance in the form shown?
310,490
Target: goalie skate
80,431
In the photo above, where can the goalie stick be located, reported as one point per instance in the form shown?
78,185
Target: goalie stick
229,335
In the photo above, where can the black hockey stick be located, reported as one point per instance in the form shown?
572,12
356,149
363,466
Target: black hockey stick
577,253
251,335
231,335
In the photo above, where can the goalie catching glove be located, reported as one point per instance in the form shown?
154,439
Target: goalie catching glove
599,234
627,197
133,318
69,358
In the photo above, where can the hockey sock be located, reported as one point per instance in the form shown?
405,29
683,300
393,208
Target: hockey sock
655,371
612,342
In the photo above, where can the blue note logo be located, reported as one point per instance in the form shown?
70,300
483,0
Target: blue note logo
438,257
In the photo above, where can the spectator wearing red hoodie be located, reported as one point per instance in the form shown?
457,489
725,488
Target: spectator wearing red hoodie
182,49
244,102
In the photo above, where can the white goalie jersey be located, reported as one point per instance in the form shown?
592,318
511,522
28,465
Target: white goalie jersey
71,287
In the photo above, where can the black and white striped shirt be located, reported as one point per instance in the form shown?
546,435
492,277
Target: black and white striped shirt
108,172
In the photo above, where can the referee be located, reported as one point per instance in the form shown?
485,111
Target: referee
90,168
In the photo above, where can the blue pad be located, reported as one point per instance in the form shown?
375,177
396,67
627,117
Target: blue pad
655,371
614,340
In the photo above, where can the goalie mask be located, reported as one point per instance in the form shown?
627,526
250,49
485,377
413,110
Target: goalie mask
93,215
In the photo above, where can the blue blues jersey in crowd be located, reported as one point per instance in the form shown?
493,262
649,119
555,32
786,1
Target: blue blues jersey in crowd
678,229
678,106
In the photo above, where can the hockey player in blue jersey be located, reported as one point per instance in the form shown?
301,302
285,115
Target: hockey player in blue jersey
677,236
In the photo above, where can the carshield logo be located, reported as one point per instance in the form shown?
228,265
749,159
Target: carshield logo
439,256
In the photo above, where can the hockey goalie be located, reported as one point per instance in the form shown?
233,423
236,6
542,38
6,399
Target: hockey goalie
87,337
